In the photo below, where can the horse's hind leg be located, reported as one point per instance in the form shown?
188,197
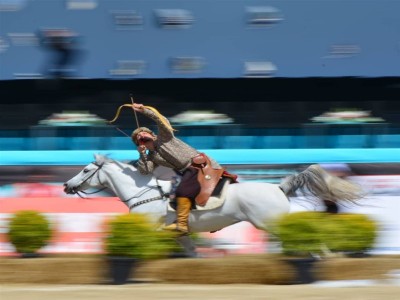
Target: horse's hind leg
262,212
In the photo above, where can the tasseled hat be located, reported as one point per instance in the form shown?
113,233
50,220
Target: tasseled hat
137,131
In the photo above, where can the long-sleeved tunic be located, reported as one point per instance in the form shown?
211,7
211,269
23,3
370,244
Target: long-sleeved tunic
169,151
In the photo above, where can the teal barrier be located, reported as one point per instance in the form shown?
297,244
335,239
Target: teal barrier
223,156
291,141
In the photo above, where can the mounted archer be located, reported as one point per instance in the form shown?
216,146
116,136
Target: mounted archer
200,173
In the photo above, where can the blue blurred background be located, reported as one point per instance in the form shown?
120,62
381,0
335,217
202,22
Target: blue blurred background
208,39
229,74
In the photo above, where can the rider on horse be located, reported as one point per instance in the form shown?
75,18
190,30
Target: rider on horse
200,174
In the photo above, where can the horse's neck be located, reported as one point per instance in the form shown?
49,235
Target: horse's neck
131,186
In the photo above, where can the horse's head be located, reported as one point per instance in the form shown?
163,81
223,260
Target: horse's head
87,178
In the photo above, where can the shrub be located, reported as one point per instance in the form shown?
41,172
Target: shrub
303,233
29,231
358,233
299,233
133,235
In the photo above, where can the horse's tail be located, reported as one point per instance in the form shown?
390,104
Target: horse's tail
316,182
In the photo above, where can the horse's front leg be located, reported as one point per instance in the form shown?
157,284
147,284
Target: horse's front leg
188,245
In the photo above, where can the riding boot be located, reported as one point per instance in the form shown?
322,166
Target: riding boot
182,210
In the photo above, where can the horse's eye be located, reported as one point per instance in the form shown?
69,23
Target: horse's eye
86,170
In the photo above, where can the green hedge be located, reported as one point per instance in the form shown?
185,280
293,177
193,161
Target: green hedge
29,231
133,235
302,233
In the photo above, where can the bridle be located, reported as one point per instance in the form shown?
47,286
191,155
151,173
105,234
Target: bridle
75,189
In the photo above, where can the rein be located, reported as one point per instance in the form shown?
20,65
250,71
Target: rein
160,197
91,193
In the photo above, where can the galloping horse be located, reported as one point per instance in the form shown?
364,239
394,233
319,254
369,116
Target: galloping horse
254,202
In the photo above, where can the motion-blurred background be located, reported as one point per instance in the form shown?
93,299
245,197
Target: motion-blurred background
285,83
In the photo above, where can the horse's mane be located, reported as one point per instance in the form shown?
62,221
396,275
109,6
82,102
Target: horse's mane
162,173
102,159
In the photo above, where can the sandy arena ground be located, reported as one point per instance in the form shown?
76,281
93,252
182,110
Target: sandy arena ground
197,292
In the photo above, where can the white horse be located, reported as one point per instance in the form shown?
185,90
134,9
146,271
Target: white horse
254,202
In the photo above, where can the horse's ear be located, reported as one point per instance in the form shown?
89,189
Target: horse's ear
98,158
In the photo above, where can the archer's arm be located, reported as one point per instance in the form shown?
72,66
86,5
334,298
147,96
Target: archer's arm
165,129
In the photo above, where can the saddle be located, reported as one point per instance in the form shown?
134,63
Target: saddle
216,200
207,177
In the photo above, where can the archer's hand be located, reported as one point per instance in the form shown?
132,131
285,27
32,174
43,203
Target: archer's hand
141,149
138,107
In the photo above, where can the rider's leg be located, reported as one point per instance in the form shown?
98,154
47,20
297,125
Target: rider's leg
182,210
188,189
